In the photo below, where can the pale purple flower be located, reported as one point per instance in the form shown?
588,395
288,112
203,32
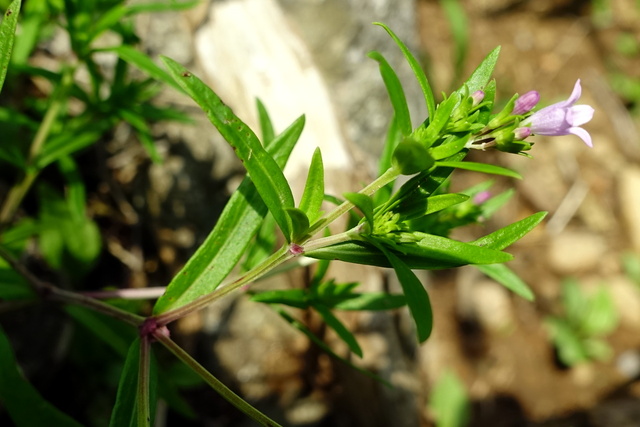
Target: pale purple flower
562,118
525,103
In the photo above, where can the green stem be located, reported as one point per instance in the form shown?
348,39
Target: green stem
277,258
280,256
379,182
330,240
18,191
69,297
47,290
215,384
143,408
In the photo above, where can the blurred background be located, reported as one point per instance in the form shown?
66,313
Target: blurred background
571,358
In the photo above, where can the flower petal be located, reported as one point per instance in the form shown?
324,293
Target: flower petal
580,114
575,95
583,134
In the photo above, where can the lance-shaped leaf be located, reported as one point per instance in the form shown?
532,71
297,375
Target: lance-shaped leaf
299,224
417,71
144,63
313,193
125,411
266,126
7,36
367,254
334,323
481,76
415,294
504,237
263,169
453,251
507,278
23,403
396,93
317,341
227,242
364,203
481,167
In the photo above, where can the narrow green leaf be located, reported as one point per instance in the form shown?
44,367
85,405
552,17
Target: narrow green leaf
313,193
411,157
417,70
7,36
481,76
266,126
504,237
367,254
443,201
144,133
396,93
449,148
492,205
364,203
107,20
265,172
123,413
76,193
373,301
263,245
112,332
299,224
507,278
78,133
23,403
228,241
160,6
292,297
424,183
481,167
317,341
144,63
415,294
334,323
453,251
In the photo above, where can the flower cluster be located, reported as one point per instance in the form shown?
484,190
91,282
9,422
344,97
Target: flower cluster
509,129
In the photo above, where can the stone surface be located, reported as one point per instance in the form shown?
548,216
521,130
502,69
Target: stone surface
629,200
571,252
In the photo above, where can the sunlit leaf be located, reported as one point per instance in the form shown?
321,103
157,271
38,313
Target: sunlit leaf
267,176
228,241
396,93
313,193
507,278
481,167
417,70
7,36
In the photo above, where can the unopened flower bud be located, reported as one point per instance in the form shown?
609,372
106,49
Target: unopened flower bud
526,102
477,97
481,197
522,133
